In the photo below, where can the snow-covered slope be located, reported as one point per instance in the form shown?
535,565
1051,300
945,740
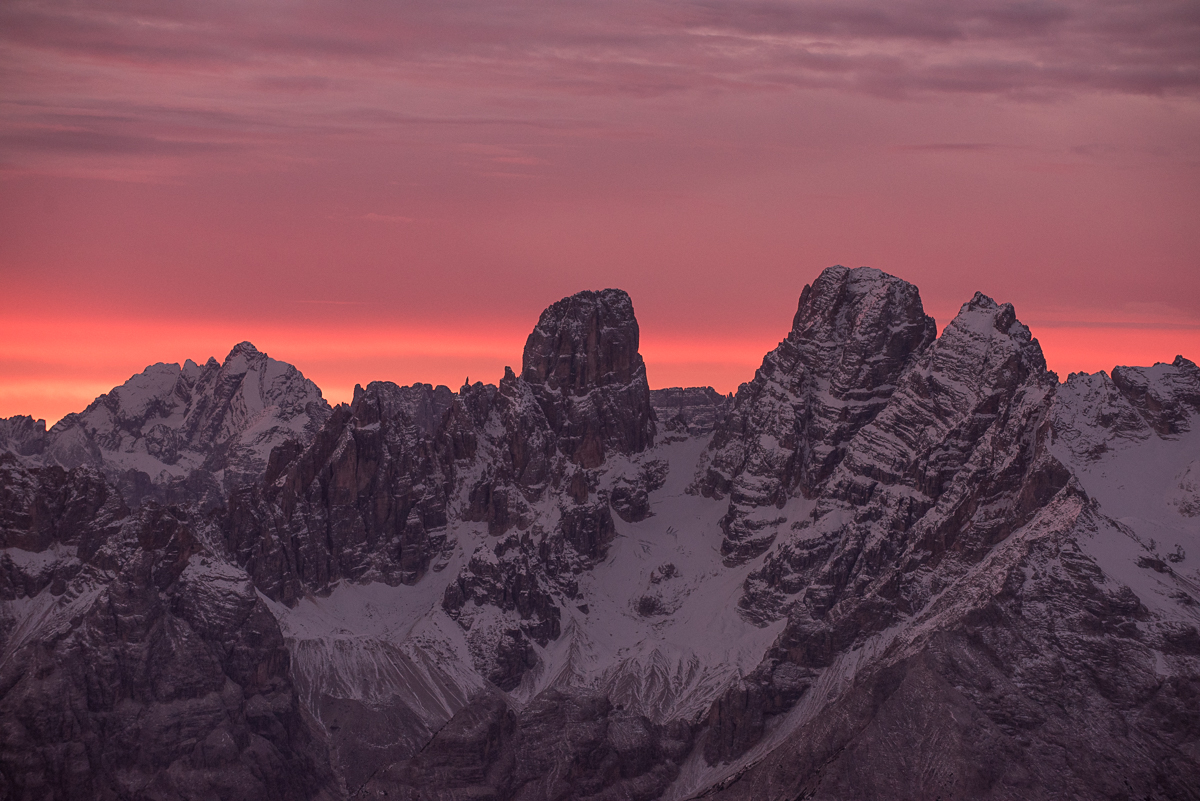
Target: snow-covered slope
1134,447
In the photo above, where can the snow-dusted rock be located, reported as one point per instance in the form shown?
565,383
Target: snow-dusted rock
191,433
367,500
133,661
854,334
22,435
948,468
689,411
899,566
583,365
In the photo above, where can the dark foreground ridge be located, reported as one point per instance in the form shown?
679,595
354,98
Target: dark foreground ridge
893,565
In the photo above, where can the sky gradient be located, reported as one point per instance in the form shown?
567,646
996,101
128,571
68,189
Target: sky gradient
395,190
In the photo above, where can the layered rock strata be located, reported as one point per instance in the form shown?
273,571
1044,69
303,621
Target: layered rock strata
367,500
906,565
689,411
854,335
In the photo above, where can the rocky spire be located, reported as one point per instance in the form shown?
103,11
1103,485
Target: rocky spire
583,365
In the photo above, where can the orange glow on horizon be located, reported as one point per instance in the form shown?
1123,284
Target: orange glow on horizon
52,367
395,191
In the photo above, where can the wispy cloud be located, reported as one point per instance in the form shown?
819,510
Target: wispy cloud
133,78
709,155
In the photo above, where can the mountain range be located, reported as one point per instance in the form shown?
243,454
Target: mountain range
897,563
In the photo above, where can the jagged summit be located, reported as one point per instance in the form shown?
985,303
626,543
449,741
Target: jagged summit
983,349
983,317
245,347
22,435
895,564
582,364
855,332
584,341
190,433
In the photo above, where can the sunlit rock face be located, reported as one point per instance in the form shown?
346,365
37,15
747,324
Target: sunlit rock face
895,564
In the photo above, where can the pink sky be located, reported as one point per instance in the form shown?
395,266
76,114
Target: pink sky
387,190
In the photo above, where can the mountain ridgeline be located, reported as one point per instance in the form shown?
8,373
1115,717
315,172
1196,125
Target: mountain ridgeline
895,564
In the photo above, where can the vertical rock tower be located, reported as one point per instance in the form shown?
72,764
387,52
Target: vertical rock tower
583,365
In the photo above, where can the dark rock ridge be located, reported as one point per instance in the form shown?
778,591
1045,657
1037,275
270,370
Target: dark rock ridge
949,468
366,500
371,497
583,365
989,695
1096,412
150,668
22,435
582,396
854,334
904,566
690,411
507,577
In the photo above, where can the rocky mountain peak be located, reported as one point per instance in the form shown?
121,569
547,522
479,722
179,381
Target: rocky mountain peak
245,347
583,364
421,405
690,410
1164,394
22,435
854,326
587,340
241,358
188,433
986,347
915,566
191,371
855,332
825,300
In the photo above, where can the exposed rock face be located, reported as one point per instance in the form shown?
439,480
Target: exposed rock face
981,489
893,566
583,365
987,695
1097,414
1164,395
134,664
855,333
190,433
581,397
630,494
22,435
506,577
950,467
689,410
367,500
